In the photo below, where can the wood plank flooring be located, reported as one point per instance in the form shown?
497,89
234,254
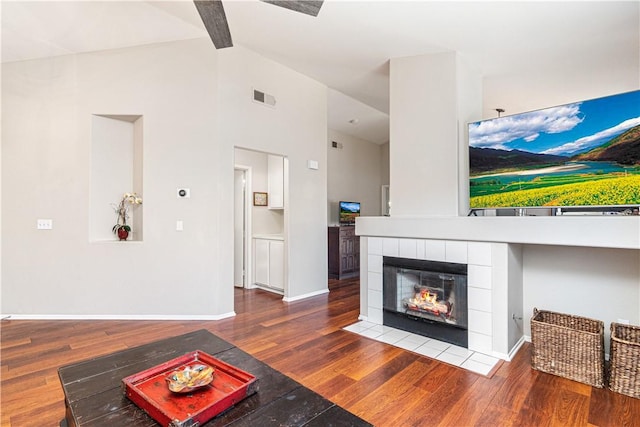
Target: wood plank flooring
383,384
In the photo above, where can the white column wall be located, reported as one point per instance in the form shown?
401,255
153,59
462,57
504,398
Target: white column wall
432,98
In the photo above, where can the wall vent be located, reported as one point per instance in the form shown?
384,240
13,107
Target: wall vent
264,98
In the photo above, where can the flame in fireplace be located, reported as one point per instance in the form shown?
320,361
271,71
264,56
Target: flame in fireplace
424,300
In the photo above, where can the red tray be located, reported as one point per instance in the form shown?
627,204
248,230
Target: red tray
148,389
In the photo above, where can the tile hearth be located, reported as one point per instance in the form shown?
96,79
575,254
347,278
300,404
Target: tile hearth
448,353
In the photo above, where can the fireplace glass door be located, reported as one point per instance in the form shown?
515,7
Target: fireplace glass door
426,297
431,295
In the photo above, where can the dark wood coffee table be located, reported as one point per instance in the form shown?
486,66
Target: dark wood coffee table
94,397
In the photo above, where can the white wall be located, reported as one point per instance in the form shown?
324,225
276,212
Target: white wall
183,90
295,128
598,283
47,107
355,174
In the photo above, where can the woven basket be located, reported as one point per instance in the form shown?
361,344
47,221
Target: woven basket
568,346
625,360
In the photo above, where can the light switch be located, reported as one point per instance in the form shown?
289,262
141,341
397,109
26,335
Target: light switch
45,224
312,164
179,225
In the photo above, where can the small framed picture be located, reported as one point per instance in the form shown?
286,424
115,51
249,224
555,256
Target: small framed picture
259,199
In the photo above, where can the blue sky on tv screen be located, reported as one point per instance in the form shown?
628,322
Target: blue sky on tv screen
350,207
565,130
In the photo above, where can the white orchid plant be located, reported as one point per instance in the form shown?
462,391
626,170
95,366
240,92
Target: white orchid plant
122,210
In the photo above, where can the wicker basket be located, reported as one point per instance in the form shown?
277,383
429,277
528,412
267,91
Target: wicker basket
568,346
625,360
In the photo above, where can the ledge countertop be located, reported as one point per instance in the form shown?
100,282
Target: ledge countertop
620,232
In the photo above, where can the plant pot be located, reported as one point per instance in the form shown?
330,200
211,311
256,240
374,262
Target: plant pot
123,234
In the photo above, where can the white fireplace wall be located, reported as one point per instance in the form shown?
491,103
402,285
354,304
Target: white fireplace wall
494,284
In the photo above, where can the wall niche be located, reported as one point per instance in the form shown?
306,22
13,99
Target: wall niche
115,169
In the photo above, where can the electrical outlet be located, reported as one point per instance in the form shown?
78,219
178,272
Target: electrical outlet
44,224
179,225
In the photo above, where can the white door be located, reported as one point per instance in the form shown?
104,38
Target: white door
239,229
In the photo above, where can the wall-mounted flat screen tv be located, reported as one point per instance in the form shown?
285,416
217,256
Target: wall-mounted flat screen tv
349,211
581,154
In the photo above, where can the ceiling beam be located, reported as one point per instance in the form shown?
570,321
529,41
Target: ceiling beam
308,7
215,21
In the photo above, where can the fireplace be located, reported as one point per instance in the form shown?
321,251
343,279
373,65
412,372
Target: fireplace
428,298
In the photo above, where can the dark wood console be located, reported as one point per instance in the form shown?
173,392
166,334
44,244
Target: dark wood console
344,252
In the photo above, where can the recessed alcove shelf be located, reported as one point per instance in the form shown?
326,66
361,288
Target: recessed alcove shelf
115,169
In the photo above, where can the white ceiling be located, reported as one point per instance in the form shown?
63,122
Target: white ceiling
512,44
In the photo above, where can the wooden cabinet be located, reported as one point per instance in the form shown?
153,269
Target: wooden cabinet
275,181
344,252
269,263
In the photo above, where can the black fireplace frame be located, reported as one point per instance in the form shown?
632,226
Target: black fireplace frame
446,332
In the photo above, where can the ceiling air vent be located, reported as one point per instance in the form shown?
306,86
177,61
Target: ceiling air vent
264,98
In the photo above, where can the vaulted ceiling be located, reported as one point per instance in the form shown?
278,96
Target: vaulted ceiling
518,47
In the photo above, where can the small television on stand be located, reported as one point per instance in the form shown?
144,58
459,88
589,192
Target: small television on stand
349,211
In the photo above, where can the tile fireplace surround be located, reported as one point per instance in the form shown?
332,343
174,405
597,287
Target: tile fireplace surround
498,250
495,324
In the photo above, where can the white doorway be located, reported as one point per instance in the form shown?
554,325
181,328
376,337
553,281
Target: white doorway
241,226
262,220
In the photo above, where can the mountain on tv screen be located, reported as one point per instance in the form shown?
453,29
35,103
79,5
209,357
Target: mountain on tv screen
581,154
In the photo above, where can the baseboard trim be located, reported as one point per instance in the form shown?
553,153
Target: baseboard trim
515,349
179,317
304,296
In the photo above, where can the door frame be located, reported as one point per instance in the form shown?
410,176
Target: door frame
248,261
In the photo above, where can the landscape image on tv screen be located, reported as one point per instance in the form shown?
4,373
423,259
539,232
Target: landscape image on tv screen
349,211
581,154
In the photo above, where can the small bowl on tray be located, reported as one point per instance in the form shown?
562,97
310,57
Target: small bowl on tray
189,378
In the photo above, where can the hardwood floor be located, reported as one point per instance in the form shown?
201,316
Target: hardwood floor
383,384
